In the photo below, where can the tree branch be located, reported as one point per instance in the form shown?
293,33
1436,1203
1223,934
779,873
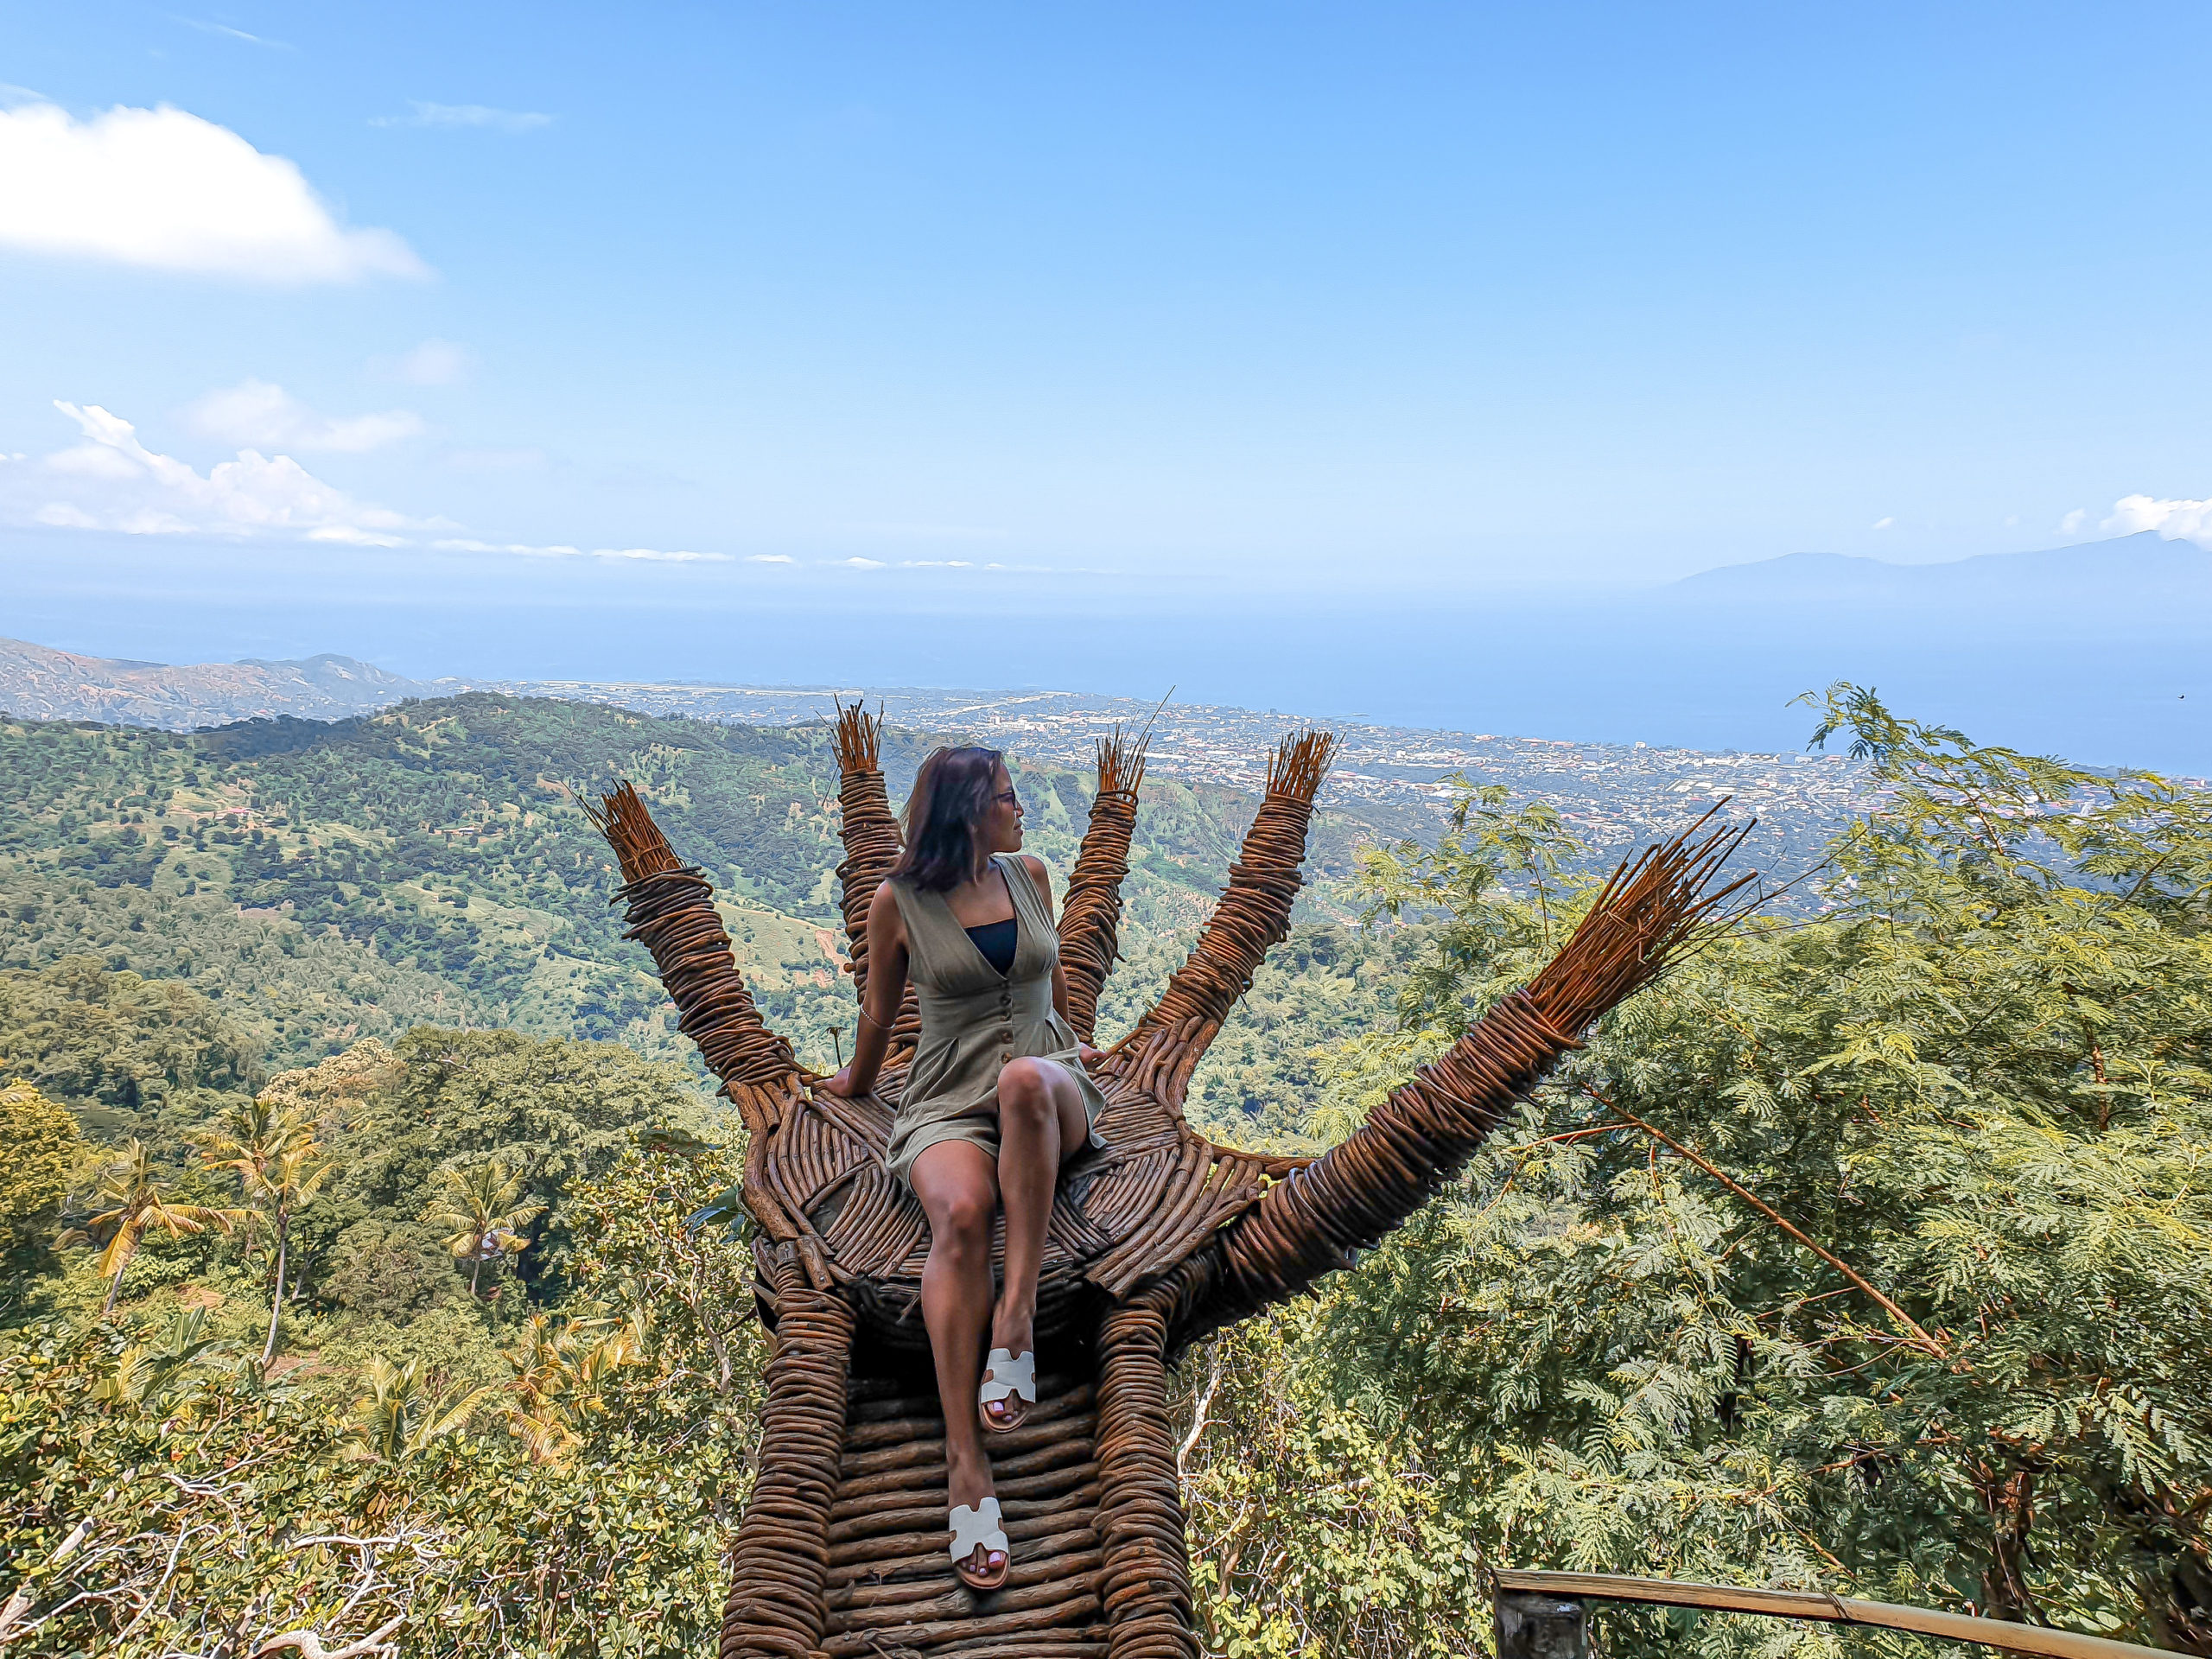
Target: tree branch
1199,1417
309,1644
1919,1337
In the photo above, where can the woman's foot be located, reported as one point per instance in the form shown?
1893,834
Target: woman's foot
1009,1390
980,1558
1010,1378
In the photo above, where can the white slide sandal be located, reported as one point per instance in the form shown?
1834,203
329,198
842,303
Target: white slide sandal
1006,1378
972,1528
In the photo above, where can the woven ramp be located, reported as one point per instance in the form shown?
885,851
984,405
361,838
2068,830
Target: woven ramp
1157,1240
889,1583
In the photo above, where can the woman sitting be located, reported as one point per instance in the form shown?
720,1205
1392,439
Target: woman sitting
997,1103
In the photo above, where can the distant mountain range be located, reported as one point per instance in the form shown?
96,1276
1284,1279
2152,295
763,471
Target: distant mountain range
2138,583
47,684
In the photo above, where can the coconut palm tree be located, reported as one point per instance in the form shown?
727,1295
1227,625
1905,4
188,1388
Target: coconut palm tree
400,1416
272,1150
161,1369
137,1203
482,1210
561,1375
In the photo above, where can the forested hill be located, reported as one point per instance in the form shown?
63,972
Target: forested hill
326,881
1863,1252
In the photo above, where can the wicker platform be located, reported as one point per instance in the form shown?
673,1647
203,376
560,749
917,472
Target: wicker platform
1161,1238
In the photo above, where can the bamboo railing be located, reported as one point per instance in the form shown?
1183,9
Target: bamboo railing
1531,1637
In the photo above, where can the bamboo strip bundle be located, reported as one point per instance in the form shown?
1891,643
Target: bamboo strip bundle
1146,1585
1090,916
1313,1222
872,847
1253,914
670,909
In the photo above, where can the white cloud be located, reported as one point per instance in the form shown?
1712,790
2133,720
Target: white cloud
164,189
657,556
206,28
464,115
434,363
770,558
2072,522
2175,521
254,413
936,564
863,564
557,551
454,544
111,481
1884,524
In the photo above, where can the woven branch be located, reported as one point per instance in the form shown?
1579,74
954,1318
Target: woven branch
780,1561
671,911
1253,915
1313,1222
1090,918
872,847
1147,1582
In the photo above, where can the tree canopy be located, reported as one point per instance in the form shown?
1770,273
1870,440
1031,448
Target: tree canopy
1866,1253
1865,1250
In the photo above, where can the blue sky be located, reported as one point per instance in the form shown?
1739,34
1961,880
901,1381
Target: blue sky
1034,310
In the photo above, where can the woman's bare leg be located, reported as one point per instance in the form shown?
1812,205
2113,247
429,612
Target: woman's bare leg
959,1188
1040,1115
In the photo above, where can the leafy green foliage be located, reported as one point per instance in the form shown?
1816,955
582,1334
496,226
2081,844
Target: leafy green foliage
1315,1528
270,1150
482,1208
131,1055
130,1202
1865,1250
166,1497
1979,1088
44,1151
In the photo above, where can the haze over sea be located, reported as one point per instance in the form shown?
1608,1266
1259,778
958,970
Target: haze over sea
2099,652
1405,365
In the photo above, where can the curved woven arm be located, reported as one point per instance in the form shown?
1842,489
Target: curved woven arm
871,846
778,1562
1145,1584
671,911
1253,914
1090,918
1310,1223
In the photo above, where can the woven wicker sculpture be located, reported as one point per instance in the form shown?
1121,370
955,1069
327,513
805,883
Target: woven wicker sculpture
1162,1239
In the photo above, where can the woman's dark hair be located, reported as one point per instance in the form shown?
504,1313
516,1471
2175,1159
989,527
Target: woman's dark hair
951,798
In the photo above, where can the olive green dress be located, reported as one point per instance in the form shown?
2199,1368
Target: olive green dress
975,1019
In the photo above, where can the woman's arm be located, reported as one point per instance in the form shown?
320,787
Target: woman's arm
887,988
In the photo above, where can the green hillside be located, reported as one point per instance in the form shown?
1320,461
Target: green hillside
1862,1253
318,883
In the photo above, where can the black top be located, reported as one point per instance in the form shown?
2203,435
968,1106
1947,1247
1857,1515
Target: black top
997,940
